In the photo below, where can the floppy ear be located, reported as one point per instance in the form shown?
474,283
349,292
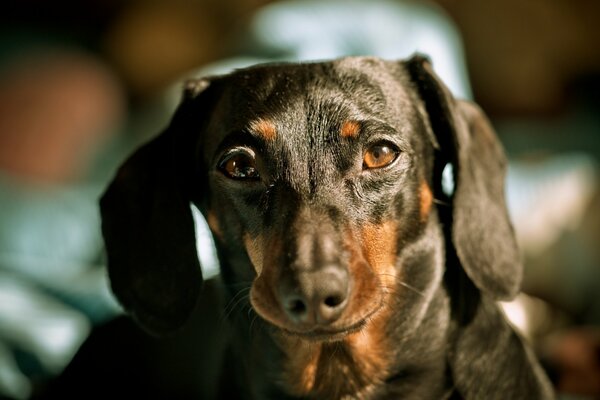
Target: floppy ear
148,227
481,231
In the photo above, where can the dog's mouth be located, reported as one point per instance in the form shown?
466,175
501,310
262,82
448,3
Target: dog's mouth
331,333
321,334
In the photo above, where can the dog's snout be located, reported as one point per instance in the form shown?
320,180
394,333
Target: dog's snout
316,297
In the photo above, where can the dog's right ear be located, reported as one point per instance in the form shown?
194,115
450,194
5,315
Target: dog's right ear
148,226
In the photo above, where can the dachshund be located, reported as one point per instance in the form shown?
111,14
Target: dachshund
359,219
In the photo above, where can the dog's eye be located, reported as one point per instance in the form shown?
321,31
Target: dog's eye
239,165
380,155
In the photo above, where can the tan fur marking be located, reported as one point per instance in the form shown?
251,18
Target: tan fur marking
350,129
213,224
264,128
425,201
254,247
370,346
379,247
264,300
301,368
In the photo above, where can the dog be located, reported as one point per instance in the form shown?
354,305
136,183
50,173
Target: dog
349,268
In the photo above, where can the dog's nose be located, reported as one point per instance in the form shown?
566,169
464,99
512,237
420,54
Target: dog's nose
315,297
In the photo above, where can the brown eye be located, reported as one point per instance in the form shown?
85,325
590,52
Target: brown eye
380,155
239,165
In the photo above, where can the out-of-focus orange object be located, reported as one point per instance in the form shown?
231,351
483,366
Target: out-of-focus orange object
56,108
576,354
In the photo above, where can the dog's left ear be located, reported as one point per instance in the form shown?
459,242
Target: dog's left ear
148,226
481,230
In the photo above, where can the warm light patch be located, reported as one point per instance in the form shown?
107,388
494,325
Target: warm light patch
350,129
300,372
426,199
379,247
254,247
265,128
213,224
370,346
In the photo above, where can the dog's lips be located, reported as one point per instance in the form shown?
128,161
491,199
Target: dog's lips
321,334
333,334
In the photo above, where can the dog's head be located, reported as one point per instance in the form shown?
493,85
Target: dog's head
316,180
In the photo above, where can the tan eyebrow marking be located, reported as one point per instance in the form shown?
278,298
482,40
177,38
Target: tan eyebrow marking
350,129
264,128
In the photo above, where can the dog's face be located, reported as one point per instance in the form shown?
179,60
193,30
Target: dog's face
320,174
318,182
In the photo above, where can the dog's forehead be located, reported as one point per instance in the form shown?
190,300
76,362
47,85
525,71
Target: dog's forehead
302,98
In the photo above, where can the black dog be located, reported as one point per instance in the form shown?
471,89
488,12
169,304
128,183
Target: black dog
322,185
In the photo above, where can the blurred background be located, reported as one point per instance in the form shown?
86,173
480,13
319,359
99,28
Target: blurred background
83,83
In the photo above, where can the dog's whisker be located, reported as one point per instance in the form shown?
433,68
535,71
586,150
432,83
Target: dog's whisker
441,202
252,323
247,306
240,299
390,292
227,313
389,289
417,291
362,331
237,284
240,292
336,347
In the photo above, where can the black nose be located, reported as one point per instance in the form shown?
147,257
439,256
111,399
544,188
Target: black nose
315,297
